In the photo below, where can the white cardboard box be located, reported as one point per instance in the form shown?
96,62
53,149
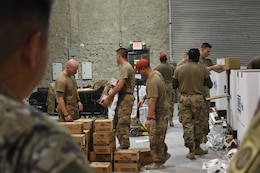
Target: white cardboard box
220,86
248,94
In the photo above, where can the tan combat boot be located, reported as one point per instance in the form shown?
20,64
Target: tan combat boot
154,166
200,151
191,154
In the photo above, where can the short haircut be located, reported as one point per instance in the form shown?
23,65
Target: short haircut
205,45
194,55
123,52
20,19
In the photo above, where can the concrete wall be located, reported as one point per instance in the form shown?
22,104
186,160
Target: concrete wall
102,26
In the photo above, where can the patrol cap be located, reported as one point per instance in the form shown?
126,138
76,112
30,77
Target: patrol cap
163,56
142,63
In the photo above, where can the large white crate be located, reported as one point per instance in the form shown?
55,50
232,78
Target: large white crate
248,93
220,86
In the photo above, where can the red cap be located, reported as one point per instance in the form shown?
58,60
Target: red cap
142,63
163,56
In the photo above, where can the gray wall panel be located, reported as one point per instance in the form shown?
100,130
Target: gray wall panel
231,26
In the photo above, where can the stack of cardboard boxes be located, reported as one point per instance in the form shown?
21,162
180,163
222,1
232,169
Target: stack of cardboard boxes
81,130
96,138
104,145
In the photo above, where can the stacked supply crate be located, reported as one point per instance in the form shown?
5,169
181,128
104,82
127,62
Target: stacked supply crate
126,160
88,130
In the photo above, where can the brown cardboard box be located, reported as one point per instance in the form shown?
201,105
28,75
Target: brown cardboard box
108,89
103,138
229,63
73,127
145,156
131,155
101,167
80,139
87,123
126,167
104,148
103,125
93,157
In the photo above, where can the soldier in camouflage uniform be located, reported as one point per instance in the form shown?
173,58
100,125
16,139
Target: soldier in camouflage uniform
124,89
190,79
247,158
205,50
68,99
30,142
167,71
158,113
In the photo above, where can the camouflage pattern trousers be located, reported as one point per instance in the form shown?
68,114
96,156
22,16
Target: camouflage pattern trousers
205,117
72,109
190,115
170,92
122,119
157,134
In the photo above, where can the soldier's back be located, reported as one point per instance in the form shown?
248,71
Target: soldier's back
31,142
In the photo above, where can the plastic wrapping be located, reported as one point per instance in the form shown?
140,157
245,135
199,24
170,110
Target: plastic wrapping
215,166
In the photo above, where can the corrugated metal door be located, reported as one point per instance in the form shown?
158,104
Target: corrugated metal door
231,26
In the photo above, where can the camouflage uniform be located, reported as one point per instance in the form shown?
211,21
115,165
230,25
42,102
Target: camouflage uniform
155,88
191,77
34,143
68,86
167,71
247,158
206,93
122,118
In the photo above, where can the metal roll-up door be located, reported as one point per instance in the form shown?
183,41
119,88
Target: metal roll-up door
232,27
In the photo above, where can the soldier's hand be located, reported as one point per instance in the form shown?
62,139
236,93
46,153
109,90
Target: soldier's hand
68,118
105,102
140,103
80,106
147,125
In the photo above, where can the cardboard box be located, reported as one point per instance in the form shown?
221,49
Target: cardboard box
80,139
93,157
103,138
73,127
113,82
229,63
108,89
87,123
126,167
103,125
101,167
145,156
131,155
104,148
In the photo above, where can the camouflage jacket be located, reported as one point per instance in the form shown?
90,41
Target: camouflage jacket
32,143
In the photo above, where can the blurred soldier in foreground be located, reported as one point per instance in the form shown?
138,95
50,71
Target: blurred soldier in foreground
29,141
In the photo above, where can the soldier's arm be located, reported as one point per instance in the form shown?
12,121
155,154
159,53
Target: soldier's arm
151,107
208,82
174,83
61,102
